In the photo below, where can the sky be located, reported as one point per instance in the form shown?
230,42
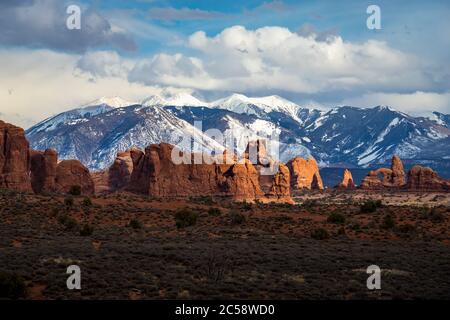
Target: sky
315,53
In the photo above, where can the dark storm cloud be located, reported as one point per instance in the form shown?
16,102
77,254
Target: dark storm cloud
42,23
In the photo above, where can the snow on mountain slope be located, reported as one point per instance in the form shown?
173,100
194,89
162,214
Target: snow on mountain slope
179,100
114,102
241,128
440,118
80,114
240,103
366,136
97,140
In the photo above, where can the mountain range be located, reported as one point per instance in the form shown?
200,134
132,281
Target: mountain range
342,136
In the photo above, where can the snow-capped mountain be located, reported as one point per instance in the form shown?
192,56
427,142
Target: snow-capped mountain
440,118
259,106
82,113
179,100
343,136
95,140
366,136
114,102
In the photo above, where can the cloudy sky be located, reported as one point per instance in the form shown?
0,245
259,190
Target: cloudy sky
316,53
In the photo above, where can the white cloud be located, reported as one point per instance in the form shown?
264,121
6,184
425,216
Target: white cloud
104,64
39,83
274,58
417,103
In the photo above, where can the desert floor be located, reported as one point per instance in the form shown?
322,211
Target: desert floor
129,247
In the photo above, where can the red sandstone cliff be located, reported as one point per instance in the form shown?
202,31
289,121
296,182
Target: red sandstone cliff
14,158
304,174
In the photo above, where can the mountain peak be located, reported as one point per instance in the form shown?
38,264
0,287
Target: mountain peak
384,107
181,99
115,102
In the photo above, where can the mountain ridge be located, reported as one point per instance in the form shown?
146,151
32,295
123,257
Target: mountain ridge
342,136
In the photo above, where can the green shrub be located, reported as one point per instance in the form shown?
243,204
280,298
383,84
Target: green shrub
12,286
75,190
135,224
86,230
388,222
185,218
87,202
68,202
214,212
237,218
320,234
336,218
370,206
68,222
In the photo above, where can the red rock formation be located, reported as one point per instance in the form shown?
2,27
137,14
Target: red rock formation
425,179
156,174
118,175
372,181
304,174
347,181
398,177
121,169
392,178
101,181
256,152
281,185
70,173
14,158
43,170
240,181
227,157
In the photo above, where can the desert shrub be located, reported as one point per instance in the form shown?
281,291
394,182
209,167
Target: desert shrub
214,212
86,230
336,218
355,226
135,224
87,202
185,218
12,286
246,206
370,206
208,200
406,228
68,202
75,190
320,234
436,216
388,222
308,203
341,231
68,222
237,218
